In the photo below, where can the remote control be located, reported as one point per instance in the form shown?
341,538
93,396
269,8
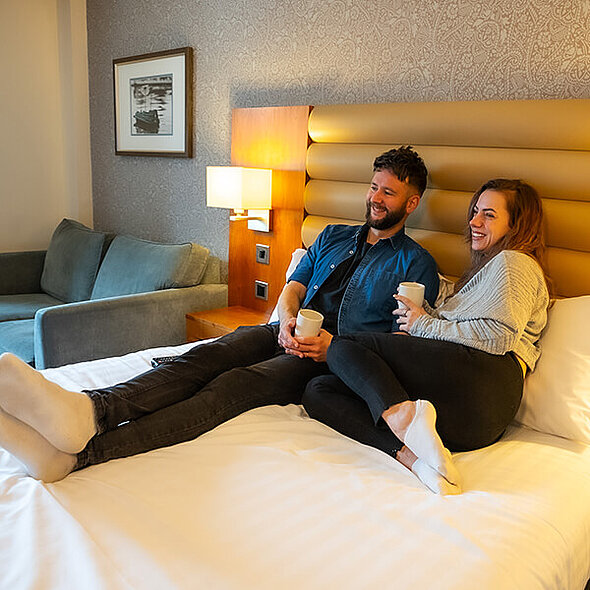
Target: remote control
161,359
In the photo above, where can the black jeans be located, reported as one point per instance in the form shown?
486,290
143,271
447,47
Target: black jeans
476,394
195,392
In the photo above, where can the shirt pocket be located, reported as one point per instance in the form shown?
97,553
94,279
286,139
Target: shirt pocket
381,287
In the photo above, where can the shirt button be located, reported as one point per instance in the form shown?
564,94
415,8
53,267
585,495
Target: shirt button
332,266
315,287
351,251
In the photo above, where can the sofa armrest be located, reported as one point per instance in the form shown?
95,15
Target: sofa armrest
114,326
20,272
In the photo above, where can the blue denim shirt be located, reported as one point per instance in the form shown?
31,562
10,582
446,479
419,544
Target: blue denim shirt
368,301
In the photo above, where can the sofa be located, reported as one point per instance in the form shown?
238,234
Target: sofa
92,295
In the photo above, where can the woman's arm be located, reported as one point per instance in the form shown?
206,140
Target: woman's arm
492,314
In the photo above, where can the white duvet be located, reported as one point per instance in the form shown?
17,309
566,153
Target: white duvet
275,500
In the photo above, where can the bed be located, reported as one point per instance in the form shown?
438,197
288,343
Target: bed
275,500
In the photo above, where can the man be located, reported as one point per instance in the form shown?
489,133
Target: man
349,274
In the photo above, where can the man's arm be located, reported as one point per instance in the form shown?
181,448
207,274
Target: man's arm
289,303
288,306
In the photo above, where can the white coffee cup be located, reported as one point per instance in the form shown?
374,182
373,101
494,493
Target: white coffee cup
413,291
309,323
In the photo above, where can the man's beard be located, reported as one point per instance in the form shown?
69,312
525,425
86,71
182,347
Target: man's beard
392,218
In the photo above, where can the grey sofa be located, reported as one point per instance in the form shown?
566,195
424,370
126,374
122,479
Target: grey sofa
93,295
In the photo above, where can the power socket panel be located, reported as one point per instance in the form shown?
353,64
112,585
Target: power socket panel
261,290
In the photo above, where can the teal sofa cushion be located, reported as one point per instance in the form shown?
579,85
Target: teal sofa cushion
18,337
72,261
132,266
22,307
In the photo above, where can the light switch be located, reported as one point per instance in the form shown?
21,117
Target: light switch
262,253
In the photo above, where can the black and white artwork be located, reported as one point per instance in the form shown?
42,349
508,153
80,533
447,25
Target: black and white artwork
154,104
151,105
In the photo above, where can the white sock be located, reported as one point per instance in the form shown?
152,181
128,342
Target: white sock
40,458
423,440
433,480
65,418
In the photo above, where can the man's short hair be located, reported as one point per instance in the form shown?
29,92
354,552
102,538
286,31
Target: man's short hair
406,164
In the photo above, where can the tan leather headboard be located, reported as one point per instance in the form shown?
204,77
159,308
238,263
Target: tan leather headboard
545,142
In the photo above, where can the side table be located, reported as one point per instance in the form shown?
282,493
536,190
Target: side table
212,323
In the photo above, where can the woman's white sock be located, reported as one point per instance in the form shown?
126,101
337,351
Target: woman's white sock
433,480
423,440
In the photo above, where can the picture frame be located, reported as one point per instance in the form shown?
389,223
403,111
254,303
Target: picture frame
153,99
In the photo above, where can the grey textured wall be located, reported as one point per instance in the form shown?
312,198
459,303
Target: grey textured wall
287,52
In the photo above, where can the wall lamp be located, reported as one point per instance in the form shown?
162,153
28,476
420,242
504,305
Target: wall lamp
247,191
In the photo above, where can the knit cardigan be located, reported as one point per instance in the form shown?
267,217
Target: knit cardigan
502,308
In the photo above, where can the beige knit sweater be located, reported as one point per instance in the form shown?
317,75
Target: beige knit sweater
502,308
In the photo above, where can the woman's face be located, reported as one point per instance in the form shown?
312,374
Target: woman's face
490,220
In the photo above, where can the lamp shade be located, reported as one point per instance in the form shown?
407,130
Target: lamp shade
234,187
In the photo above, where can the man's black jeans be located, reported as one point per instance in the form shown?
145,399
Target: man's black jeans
190,395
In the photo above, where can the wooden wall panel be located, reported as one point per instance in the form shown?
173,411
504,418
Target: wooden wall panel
276,138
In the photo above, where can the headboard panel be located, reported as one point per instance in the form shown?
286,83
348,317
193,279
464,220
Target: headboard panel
546,143
552,124
459,168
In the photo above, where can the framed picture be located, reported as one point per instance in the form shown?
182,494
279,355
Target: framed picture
154,104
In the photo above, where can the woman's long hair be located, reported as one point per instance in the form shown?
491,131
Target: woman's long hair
526,232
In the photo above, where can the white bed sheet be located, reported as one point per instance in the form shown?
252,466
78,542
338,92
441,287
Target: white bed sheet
275,500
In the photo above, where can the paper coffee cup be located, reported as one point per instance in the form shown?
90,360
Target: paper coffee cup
413,291
309,323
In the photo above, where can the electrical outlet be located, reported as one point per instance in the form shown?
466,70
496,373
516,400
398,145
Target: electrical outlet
261,290
262,253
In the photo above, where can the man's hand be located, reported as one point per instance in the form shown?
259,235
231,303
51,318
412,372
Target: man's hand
314,348
286,338
288,305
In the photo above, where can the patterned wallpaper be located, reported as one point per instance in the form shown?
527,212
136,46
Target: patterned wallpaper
286,52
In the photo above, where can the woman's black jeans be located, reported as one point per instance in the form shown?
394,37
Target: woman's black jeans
476,394
195,392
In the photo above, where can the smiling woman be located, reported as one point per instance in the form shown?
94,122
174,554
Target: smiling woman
413,414
490,220
505,214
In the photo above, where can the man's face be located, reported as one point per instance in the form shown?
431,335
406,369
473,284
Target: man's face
387,200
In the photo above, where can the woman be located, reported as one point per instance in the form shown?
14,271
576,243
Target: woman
467,358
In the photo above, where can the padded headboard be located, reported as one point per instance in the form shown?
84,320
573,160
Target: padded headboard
544,142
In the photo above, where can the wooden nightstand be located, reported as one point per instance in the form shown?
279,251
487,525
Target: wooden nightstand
217,322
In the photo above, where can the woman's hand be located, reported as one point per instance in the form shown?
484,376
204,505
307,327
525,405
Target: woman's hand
407,315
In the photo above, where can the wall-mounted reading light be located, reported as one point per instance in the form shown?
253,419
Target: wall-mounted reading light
245,190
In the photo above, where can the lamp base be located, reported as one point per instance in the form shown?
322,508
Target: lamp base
261,221
258,219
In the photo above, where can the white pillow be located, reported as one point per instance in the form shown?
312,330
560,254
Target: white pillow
556,395
295,260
